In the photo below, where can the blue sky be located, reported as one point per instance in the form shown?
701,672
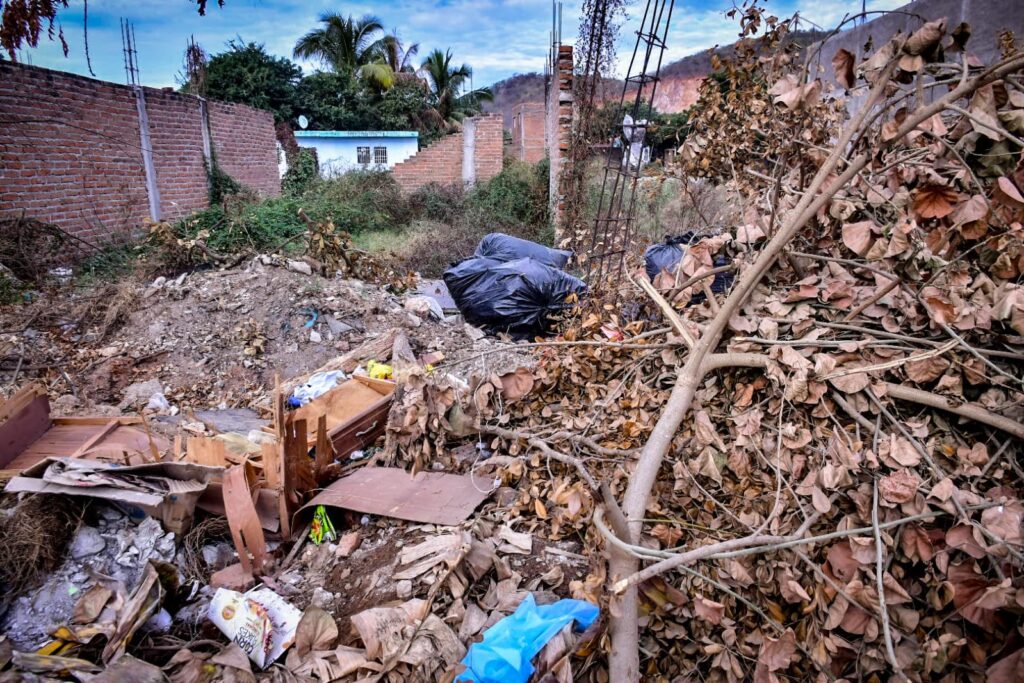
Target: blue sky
497,38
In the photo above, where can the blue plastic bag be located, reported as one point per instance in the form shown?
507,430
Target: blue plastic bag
505,653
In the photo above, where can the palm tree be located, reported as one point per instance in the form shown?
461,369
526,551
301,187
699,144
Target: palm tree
397,56
447,85
343,44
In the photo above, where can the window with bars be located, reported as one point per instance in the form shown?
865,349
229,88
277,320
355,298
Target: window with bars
380,155
362,155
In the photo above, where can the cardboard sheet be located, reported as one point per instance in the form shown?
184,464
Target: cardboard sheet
429,497
167,491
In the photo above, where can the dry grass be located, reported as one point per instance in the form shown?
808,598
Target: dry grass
34,536
193,566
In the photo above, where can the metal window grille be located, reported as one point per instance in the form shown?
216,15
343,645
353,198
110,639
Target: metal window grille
380,155
362,155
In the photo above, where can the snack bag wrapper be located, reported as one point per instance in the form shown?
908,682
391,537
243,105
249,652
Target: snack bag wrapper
260,621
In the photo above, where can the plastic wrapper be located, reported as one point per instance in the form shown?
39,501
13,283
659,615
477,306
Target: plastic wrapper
518,297
260,622
505,248
504,655
321,529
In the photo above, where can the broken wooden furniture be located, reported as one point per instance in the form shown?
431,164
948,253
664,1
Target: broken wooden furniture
347,418
29,435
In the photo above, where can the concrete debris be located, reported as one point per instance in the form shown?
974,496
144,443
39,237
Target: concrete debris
300,267
137,395
88,541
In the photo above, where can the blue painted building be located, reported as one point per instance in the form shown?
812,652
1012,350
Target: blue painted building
345,150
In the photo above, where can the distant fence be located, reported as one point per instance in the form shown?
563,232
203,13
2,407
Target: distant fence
97,158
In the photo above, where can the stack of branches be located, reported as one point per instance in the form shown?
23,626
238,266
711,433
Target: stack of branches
817,473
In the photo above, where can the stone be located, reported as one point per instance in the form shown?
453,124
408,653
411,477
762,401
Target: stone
315,337
474,333
347,544
138,394
413,320
66,402
234,578
404,589
321,598
424,306
158,402
300,267
336,326
87,542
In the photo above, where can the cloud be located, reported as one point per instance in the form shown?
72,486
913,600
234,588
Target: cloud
496,37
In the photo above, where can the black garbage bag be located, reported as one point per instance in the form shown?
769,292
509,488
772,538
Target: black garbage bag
518,297
502,247
465,274
668,254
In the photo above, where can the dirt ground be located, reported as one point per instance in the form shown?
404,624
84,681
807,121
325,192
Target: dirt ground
214,338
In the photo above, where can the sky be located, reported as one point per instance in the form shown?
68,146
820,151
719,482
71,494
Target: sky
497,38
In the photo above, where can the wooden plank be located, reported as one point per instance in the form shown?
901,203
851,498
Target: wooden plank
23,428
324,449
124,420
24,396
96,438
271,456
206,451
243,521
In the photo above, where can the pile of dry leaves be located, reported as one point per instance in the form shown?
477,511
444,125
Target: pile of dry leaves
817,474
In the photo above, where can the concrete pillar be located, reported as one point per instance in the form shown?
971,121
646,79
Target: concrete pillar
469,152
152,189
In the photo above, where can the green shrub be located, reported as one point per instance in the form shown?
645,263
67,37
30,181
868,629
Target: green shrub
518,195
437,202
302,173
358,201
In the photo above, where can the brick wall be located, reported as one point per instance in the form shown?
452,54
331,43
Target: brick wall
176,135
233,128
558,123
71,151
442,162
528,138
490,146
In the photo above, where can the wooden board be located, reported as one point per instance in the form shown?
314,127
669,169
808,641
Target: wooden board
28,435
428,497
23,428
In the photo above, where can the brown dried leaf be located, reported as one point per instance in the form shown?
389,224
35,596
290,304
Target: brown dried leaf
708,610
900,486
858,236
934,201
925,39
316,631
842,62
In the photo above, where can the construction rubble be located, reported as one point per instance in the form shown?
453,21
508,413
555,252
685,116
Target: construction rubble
809,471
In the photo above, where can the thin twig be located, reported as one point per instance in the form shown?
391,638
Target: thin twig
882,610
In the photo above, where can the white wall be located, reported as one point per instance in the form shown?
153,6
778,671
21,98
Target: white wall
338,155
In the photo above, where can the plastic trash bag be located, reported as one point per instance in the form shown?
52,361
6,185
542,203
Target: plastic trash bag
505,653
316,386
505,248
667,255
517,297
